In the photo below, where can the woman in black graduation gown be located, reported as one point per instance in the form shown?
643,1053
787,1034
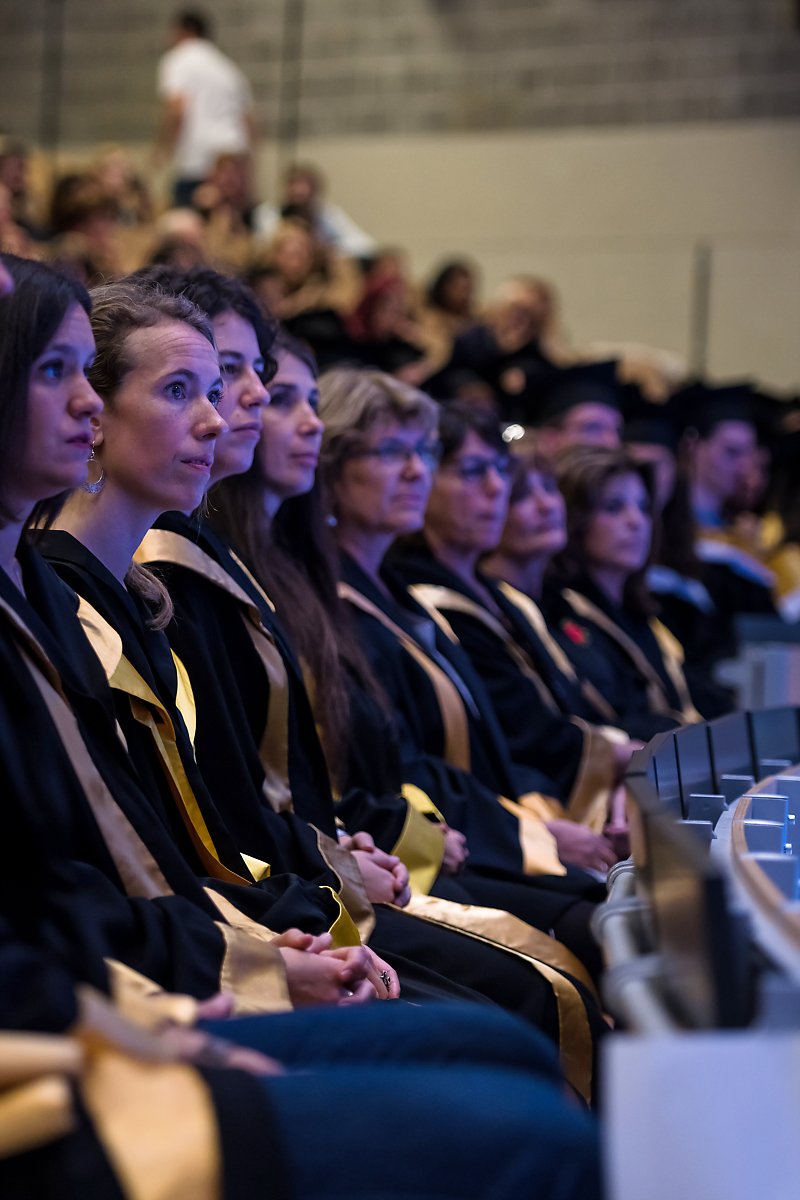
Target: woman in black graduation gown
540,708
597,604
44,451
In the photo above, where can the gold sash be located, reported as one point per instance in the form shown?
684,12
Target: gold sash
547,956
656,692
533,615
433,598
148,710
138,870
451,706
588,801
160,545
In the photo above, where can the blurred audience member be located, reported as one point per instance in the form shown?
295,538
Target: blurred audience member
207,105
302,195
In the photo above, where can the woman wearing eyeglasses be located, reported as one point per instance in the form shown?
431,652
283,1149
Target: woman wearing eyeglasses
465,517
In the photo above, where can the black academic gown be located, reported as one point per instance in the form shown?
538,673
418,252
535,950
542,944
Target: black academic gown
149,653
630,662
737,581
45,950
532,696
686,608
171,939
495,834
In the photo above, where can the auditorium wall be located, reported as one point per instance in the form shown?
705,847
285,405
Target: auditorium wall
643,154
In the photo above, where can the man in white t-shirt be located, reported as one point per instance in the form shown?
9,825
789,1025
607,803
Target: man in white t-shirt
207,105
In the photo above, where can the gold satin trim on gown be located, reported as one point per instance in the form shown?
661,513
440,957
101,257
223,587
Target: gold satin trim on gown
420,845
672,652
539,847
145,1002
594,779
535,618
139,872
547,956
148,710
434,598
33,1114
656,693
588,800
160,545
356,918
451,707
154,1157
36,1104
352,894
252,968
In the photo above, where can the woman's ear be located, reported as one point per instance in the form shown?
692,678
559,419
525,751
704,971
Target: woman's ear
97,432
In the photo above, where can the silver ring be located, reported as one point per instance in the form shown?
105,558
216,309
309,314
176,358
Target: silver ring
386,980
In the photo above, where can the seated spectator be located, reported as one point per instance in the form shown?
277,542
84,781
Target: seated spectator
597,603
14,238
15,175
512,347
115,173
311,276
385,333
302,196
675,574
82,222
449,305
722,439
224,199
578,406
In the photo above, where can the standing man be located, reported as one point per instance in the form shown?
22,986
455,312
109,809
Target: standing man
207,105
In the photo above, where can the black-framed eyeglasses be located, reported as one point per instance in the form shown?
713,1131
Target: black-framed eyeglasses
474,468
394,453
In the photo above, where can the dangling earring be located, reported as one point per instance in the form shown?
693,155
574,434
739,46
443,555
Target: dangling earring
99,483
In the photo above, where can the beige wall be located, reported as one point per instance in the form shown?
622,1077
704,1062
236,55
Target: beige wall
613,217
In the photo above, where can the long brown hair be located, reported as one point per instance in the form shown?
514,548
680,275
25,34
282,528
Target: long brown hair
583,474
294,557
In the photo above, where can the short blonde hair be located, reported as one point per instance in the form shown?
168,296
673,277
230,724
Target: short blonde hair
353,401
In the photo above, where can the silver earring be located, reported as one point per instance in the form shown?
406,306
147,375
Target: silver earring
331,521
99,483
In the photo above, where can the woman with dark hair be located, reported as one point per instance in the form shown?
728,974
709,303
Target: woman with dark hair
542,715
599,607
675,574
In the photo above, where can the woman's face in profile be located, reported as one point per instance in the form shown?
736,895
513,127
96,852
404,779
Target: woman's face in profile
536,526
288,453
619,531
158,433
61,407
383,486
